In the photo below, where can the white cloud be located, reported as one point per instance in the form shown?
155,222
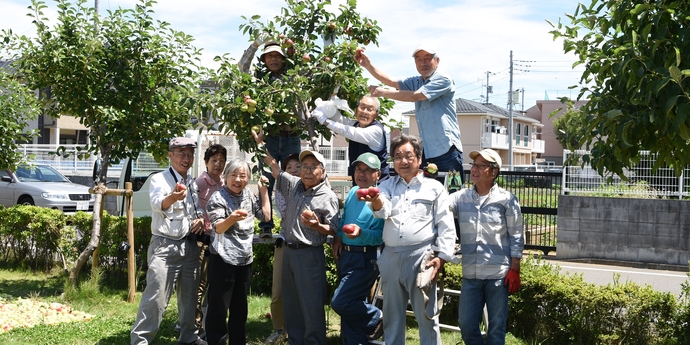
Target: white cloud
472,37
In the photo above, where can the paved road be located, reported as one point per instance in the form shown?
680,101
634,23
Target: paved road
602,274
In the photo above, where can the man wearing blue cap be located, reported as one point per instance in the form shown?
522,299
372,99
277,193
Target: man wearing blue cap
173,255
432,93
356,245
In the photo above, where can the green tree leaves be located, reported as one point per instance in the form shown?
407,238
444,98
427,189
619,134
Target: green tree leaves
18,106
635,59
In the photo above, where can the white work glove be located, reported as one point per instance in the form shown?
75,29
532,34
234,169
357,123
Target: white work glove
319,115
330,107
260,39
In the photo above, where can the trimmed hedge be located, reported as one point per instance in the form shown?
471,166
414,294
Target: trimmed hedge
550,308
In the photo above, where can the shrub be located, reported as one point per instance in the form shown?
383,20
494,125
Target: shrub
32,236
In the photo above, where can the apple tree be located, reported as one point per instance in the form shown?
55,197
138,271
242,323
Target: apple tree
635,55
320,47
18,106
125,76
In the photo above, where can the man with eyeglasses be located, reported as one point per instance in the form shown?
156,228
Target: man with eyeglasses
173,255
432,93
355,247
417,219
366,133
311,215
491,231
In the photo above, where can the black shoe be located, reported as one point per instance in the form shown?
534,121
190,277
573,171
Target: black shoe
378,330
198,341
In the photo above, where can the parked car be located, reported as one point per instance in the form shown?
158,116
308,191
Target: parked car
43,186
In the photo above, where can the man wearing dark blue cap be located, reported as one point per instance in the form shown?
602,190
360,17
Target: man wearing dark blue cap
173,255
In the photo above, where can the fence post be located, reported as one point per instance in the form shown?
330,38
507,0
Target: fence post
681,193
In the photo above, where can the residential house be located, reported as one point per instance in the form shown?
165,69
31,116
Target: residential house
553,150
486,126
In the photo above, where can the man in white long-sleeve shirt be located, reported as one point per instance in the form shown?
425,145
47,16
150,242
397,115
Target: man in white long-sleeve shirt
366,133
417,219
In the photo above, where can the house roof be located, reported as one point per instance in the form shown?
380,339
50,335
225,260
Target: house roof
6,65
465,106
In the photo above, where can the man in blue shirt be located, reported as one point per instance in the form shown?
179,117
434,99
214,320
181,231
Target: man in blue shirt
432,92
356,245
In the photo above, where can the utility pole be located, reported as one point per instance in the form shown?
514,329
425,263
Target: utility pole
511,129
489,89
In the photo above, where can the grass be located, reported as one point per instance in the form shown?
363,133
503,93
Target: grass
106,298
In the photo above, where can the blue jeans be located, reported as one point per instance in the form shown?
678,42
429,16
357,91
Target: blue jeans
451,160
475,293
357,274
279,147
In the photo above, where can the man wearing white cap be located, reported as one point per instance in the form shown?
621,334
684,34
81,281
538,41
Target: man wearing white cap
311,215
432,92
491,231
287,141
173,255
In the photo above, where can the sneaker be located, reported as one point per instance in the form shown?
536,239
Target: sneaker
378,329
266,233
195,342
275,336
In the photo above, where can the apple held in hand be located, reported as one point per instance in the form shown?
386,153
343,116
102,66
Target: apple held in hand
309,214
180,187
362,192
349,229
374,191
431,168
256,129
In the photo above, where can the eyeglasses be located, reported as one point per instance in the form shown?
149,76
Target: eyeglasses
309,169
363,107
184,155
407,158
479,166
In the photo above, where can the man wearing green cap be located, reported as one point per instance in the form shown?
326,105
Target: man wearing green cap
356,245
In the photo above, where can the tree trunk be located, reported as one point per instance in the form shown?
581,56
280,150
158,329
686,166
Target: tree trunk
96,227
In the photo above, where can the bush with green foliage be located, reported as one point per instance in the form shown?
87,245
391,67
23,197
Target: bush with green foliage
33,236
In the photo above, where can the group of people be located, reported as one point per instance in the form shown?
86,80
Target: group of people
388,232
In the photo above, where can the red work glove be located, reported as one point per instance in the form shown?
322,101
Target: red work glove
513,281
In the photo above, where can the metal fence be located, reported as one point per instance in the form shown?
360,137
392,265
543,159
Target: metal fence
641,180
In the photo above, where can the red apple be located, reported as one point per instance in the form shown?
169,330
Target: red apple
348,30
368,24
289,42
291,51
348,229
282,36
180,187
362,192
327,59
331,25
306,58
374,191
268,315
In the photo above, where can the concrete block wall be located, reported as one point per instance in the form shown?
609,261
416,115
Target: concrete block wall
635,230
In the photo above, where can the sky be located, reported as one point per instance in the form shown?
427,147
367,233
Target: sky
472,37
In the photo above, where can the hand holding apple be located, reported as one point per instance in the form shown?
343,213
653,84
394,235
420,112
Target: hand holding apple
179,187
351,230
362,193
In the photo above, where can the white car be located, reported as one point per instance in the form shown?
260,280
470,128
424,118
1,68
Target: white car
43,186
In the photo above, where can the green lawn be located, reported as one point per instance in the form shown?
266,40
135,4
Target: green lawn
114,316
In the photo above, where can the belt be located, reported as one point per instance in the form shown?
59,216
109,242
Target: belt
360,249
284,133
297,245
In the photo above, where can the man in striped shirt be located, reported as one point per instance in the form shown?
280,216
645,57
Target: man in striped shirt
491,236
